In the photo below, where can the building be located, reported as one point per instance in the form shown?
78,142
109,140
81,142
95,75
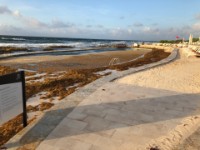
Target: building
191,39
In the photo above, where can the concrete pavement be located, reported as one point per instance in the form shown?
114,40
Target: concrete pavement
121,117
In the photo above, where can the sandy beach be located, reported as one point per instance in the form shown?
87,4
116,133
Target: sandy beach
181,76
160,108
151,109
52,63
51,81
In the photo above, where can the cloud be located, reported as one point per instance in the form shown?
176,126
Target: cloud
60,24
196,26
10,30
154,24
56,27
138,24
144,33
5,10
197,16
29,21
17,13
89,26
100,26
33,22
122,17
150,31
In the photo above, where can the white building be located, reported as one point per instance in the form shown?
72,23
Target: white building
191,39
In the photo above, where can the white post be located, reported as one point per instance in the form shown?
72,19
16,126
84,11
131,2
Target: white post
190,39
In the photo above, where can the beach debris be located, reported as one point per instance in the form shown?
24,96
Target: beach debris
51,48
9,49
114,61
3,148
105,72
45,105
154,148
155,53
41,107
6,70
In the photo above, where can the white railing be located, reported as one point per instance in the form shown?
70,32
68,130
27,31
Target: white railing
114,61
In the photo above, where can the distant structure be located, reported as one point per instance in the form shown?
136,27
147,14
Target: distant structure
183,40
135,45
114,61
191,39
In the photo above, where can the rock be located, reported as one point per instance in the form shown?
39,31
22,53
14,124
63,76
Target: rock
120,46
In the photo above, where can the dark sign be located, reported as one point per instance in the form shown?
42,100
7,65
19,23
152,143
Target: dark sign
12,97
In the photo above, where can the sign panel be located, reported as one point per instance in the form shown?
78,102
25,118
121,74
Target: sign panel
12,96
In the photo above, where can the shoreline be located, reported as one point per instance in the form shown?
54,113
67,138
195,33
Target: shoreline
65,62
74,51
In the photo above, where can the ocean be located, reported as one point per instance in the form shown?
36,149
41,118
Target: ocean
67,46
38,43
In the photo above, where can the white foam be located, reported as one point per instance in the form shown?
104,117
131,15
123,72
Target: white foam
73,44
15,39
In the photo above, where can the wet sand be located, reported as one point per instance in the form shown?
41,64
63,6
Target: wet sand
52,63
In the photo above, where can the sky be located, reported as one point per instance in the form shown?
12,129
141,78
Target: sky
101,19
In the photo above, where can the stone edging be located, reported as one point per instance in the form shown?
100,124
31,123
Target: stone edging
43,125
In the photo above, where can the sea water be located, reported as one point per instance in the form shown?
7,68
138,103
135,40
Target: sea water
75,44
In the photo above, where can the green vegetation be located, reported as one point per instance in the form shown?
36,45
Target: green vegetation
171,41
177,41
195,39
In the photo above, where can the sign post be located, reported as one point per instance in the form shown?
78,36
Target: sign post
12,97
24,98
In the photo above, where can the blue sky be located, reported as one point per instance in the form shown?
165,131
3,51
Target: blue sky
110,19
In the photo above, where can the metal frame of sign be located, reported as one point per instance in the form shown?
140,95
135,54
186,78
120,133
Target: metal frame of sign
17,77
24,98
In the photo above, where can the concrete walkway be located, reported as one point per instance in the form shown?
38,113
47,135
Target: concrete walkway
121,117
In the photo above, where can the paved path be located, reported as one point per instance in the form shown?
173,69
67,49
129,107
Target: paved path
121,117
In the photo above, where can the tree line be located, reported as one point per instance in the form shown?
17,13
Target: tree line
177,41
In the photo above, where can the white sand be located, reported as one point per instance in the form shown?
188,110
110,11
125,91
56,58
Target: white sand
35,100
36,75
182,76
